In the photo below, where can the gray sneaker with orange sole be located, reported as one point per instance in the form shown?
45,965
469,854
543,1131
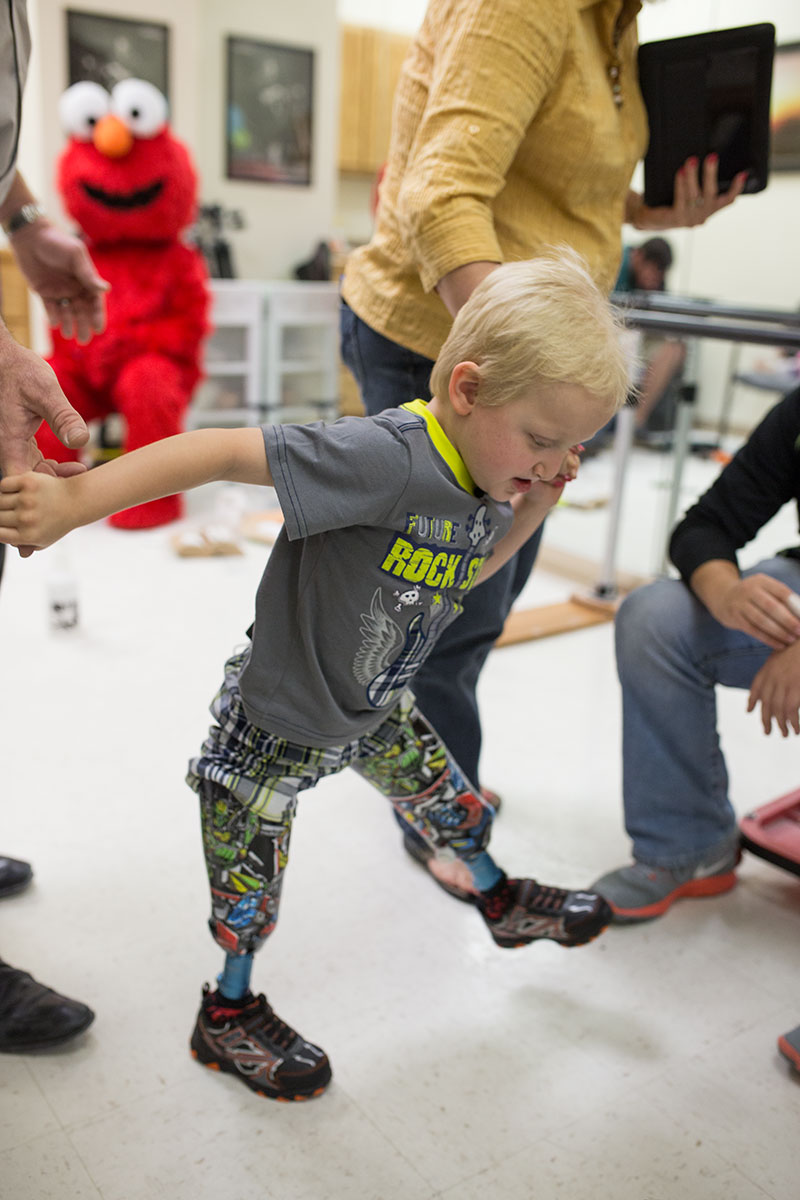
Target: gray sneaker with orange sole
641,892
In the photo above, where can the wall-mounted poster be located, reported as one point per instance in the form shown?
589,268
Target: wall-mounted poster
270,98
105,50
785,110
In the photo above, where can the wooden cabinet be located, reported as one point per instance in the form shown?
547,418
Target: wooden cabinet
370,66
14,298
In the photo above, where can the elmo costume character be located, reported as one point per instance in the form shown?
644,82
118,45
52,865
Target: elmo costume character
131,187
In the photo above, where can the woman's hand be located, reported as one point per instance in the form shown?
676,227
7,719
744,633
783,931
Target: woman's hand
694,201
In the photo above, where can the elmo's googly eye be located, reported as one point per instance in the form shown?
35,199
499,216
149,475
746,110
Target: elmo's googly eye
141,106
81,107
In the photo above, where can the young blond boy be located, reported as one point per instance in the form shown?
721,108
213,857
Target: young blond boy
389,521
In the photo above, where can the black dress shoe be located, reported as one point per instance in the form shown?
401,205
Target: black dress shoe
15,875
34,1017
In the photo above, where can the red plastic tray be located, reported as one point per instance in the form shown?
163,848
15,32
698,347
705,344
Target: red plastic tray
773,832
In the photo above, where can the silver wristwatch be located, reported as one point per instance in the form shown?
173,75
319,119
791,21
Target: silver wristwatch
22,217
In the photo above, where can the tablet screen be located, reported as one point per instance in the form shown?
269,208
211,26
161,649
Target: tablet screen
705,94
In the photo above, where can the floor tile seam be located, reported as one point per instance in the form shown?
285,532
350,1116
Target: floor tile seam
725,1164
100,1193
632,1090
727,1036
71,1127
755,1183
545,1142
42,1092
385,1137
42,1137
716,1141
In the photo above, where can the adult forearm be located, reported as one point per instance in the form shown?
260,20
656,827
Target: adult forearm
456,287
18,195
712,581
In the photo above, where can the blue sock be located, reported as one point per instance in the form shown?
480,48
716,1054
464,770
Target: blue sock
485,871
234,981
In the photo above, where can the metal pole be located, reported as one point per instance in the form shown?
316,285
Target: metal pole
667,302
683,430
606,586
708,327
697,319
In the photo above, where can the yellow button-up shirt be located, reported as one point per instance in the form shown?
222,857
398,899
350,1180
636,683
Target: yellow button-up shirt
506,139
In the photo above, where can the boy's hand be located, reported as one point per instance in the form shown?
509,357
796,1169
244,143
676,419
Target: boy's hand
549,491
776,688
33,510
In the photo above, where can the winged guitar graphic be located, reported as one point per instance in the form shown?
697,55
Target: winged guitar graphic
376,666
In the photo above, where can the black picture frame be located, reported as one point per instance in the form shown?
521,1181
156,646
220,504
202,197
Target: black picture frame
785,109
105,49
269,112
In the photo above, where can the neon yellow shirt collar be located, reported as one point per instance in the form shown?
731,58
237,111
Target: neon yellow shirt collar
443,445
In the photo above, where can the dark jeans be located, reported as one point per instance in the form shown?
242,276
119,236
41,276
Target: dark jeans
389,375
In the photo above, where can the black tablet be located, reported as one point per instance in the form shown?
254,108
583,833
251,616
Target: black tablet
708,93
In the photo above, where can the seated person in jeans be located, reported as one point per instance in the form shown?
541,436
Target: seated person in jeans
675,641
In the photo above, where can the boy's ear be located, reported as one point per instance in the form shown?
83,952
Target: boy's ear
464,381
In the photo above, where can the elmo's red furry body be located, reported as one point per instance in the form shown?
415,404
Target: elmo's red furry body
131,208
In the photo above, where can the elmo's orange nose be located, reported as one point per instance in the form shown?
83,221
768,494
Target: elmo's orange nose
111,137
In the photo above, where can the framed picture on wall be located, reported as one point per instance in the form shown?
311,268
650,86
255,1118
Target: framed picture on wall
270,96
785,109
105,50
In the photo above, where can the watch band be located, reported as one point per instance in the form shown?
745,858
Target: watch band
22,217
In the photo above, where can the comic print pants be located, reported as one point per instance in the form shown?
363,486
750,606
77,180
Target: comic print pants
248,781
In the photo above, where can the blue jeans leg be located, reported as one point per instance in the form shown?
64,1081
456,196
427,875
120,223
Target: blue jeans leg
671,654
445,686
389,375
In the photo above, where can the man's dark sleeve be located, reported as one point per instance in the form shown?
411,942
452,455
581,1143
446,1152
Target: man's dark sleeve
758,481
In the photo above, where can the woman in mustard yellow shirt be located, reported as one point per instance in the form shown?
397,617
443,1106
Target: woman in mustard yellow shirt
517,125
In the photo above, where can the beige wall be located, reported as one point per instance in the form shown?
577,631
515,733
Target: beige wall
283,223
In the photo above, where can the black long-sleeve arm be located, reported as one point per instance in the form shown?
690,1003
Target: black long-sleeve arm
762,477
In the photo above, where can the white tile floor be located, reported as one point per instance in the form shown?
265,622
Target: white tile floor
641,1067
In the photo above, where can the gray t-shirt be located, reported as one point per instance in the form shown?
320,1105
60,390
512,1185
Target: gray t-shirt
384,534
15,49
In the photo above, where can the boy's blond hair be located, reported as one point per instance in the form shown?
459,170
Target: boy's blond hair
543,320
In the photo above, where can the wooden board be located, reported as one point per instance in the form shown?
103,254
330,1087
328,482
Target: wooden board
526,624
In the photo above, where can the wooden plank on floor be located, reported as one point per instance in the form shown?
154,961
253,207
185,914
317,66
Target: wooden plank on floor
526,624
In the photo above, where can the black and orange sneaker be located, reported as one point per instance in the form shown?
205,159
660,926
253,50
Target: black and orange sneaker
789,1046
519,911
248,1040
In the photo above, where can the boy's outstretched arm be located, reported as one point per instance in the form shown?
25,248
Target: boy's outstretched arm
37,510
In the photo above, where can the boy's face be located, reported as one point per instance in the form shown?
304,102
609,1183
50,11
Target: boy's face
508,448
